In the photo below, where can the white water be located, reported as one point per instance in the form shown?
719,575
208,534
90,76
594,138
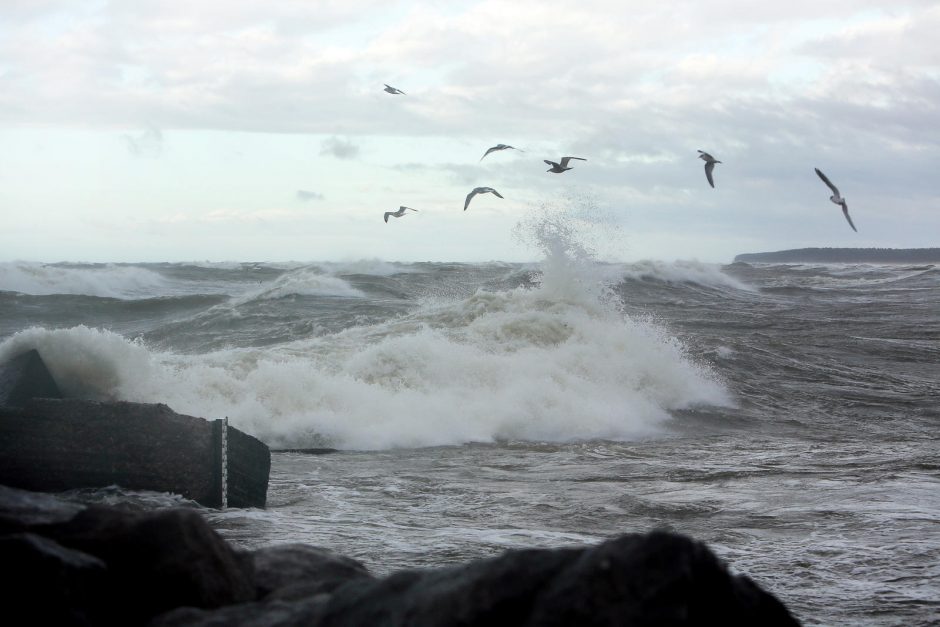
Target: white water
557,362
107,281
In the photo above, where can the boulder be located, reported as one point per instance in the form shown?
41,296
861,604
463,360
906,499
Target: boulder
25,377
21,510
661,579
109,566
157,561
51,584
296,571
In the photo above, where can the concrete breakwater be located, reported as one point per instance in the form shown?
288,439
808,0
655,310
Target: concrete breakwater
51,444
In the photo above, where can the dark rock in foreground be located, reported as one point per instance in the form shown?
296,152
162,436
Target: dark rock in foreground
25,377
105,566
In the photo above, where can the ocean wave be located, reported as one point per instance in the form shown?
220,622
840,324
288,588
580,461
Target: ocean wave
554,361
369,267
306,281
684,272
106,280
851,277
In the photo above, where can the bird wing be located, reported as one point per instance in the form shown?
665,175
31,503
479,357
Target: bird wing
402,208
496,192
469,198
488,151
551,163
705,155
845,212
565,160
387,213
708,172
825,179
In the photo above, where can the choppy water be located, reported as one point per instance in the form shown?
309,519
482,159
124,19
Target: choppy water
785,414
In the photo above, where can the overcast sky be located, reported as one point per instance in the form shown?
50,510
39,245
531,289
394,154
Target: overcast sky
172,130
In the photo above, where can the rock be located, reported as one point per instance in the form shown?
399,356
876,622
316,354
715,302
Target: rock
275,613
25,377
104,565
158,561
638,580
49,583
655,579
20,510
293,582
295,571
494,591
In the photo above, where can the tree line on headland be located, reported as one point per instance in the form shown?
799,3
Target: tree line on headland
845,255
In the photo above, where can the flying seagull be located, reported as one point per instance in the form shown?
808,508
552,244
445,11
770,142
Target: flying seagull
836,198
710,162
393,90
479,190
499,147
397,214
558,168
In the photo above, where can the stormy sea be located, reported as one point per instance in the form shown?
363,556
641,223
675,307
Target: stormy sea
788,415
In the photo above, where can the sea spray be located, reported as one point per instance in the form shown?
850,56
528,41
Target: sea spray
105,280
551,360
87,363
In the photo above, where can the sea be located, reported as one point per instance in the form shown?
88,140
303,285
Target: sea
786,415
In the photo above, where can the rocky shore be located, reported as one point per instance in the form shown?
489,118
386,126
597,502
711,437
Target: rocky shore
70,564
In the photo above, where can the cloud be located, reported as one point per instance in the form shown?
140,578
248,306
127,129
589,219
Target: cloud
339,148
773,90
146,144
304,195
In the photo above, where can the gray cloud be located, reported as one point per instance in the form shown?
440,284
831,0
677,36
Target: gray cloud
339,148
772,90
149,143
304,195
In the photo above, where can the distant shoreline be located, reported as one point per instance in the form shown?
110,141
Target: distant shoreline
845,255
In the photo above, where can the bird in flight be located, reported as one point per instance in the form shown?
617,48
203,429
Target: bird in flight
710,162
558,168
393,90
499,147
397,214
837,198
479,190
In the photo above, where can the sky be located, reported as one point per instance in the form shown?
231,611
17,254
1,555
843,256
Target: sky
238,130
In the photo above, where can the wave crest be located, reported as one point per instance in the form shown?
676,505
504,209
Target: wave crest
105,280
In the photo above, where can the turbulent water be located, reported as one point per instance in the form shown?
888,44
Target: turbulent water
787,415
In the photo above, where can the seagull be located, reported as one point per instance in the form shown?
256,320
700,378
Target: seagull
558,168
710,162
836,198
479,190
499,147
393,90
399,213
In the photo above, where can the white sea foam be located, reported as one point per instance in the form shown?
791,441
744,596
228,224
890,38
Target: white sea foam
556,362
307,281
92,280
704,274
372,267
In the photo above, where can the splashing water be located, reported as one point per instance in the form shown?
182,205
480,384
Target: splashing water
556,361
